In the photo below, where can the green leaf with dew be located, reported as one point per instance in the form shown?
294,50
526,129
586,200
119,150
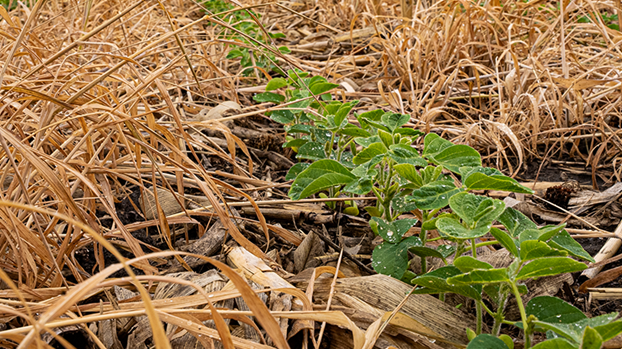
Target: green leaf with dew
369,153
311,151
435,195
563,241
455,157
268,97
322,87
515,222
532,249
481,276
504,240
392,259
320,175
549,266
275,84
486,341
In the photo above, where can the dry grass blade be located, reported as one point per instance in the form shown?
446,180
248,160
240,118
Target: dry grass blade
104,102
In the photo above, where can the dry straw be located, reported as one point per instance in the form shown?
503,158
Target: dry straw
97,97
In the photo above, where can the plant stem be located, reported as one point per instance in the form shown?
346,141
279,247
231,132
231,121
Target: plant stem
523,314
329,146
487,309
498,316
478,313
459,248
487,243
387,203
424,238
474,249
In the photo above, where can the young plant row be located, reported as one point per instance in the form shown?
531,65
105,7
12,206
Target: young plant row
251,55
352,154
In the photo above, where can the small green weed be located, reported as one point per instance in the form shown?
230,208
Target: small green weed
609,20
9,4
242,21
376,155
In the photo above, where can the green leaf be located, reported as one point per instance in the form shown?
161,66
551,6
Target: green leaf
466,171
368,170
532,249
282,116
392,259
480,181
373,211
318,176
386,138
480,276
276,84
542,234
435,195
474,208
268,97
470,334
504,240
393,231
515,222
284,49
456,156
450,227
235,53
435,282
333,107
295,170
394,120
468,263
403,203
446,250
423,252
563,241
373,115
311,151
368,153
557,343
507,340
325,181
602,324
359,186
549,266
343,111
295,143
591,339
553,310
405,154
405,131
299,128
609,331
431,174
314,80
300,103
352,211
354,131
486,341
434,144
366,142
322,87
549,231
409,172
378,126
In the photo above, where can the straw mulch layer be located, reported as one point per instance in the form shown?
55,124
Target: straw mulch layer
103,101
